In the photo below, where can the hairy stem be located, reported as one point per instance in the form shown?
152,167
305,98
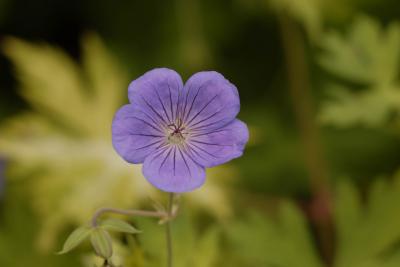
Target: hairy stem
142,213
168,230
299,86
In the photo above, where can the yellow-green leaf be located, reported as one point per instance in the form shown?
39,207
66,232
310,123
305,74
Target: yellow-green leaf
118,225
75,238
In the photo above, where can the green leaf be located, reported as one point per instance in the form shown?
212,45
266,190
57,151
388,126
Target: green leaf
101,242
75,238
368,53
368,234
118,225
371,107
263,241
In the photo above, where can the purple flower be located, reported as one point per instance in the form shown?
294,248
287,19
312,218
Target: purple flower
178,130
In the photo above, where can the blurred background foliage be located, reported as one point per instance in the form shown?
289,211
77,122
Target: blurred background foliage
64,70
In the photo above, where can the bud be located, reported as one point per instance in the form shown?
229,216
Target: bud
101,242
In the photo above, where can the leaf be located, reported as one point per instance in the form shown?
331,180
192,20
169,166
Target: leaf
371,107
101,242
118,225
262,241
75,238
368,54
64,87
107,80
368,234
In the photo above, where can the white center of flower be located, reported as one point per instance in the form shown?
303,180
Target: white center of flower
176,138
176,134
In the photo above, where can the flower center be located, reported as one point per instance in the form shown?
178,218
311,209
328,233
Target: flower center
176,135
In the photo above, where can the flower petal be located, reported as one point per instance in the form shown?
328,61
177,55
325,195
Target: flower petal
210,101
157,92
134,134
172,170
220,145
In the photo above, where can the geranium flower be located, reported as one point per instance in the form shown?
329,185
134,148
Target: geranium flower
178,130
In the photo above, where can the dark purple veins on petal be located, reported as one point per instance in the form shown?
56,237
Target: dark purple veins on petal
155,111
174,159
206,119
170,102
183,157
162,105
201,149
201,110
148,145
165,159
147,123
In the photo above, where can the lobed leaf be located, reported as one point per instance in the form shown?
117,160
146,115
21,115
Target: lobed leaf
368,53
368,56
371,107
368,234
263,241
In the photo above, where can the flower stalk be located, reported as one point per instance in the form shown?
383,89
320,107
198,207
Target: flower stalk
299,87
141,213
168,232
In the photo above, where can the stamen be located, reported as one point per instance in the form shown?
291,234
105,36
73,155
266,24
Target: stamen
176,134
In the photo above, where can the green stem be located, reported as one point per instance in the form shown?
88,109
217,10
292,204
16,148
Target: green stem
168,230
142,213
